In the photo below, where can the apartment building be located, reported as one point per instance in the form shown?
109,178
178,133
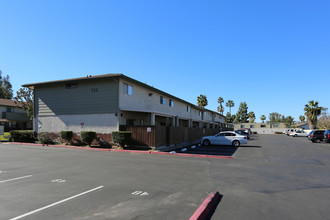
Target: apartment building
111,102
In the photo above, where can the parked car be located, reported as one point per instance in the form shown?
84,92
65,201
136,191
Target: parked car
247,130
242,132
224,138
316,136
299,133
286,131
291,130
326,137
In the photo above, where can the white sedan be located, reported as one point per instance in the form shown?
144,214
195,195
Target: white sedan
299,133
224,138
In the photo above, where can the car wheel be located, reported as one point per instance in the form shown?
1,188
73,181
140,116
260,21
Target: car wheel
295,135
317,140
206,142
236,143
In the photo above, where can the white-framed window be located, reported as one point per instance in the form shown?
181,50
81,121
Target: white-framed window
162,100
275,126
242,126
200,113
171,103
188,108
127,89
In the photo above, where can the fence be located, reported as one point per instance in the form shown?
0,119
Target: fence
154,136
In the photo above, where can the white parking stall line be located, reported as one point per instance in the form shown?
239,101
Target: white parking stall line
56,203
17,178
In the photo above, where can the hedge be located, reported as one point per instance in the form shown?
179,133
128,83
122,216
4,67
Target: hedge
122,137
88,137
67,136
22,136
45,138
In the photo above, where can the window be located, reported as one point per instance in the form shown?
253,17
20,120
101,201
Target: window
275,126
129,122
128,89
200,113
171,103
162,100
9,109
188,108
242,126
251,126
262,126
71,85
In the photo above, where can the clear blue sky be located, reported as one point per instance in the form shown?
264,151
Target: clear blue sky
273,54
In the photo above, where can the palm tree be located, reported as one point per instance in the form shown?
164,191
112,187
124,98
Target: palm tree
220,107
263,118
202,101
230,104
312,110
302,118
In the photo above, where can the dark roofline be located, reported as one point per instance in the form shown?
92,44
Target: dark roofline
117,75
88,77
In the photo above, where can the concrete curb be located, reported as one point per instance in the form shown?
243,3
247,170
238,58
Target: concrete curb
127,151
207,207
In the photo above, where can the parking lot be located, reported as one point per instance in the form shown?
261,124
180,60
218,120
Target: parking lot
273,177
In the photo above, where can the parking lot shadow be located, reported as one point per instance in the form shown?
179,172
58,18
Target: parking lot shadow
212,150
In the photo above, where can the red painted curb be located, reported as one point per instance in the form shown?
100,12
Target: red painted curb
127,151
205,209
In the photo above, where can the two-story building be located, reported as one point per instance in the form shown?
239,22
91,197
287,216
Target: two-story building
112,102
13,116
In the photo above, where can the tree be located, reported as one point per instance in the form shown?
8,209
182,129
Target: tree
302,118
228,118
233,118
275,117
263,118
242,113
324,121
252,117
6,91
24,97
312,111
289,120
220,107
202,101
230,104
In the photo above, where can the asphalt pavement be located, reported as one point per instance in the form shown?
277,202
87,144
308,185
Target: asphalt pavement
272,177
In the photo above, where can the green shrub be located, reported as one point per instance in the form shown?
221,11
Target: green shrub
67,136
45,138
255,132
22,136
278,132
88,137
122,137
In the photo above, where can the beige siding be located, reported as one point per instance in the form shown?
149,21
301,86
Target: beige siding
142,101
92,97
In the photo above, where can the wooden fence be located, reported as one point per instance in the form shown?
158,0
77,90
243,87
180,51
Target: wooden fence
154,136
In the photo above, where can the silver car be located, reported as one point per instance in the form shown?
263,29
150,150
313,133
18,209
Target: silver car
224,138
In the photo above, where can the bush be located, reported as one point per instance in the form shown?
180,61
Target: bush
254,132
44,138
67,136
122,137
88,137
278,132
26,136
